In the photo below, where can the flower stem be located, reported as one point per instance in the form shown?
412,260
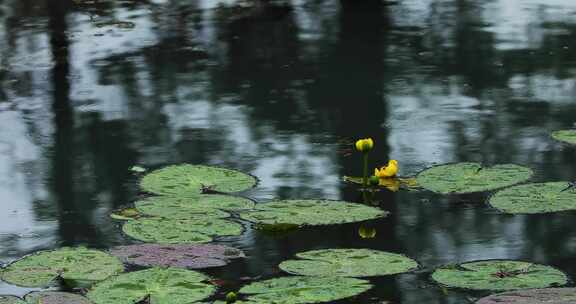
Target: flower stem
365,179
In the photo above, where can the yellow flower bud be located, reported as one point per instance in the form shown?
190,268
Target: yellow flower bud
364,145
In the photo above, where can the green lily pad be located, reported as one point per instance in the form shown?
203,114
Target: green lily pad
311,212
301,290
471,177
191,180
499,275
568,136
126,214
75,264
162,285
55,297
535,198
348,263
208,205
176,231
533,296
11,300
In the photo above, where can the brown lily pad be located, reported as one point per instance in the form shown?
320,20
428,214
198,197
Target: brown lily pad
533,296
55,297
190,256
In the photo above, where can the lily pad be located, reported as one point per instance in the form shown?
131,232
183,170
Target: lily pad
471,177
162,285
76,264
201,205
191,180
195,256
348,263
126,214
568,136
535,198
55,297
311,212
301,290
11,300
175,231
499,275
533,296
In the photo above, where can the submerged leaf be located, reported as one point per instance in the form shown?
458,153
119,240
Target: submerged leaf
78,264
535,198
195,256
302,290
162,285
348,263
174,231
191,180
567,136
55,297
311,212
206,205
471,177
533,296
499,275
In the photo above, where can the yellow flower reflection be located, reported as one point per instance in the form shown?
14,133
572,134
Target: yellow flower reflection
367,232
391,184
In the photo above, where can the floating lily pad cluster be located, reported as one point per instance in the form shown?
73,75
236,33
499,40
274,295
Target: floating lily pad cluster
192,207
183,212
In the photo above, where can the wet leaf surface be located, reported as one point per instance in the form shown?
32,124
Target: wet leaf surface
195,256
209,205
162,285
348,263
499,275
471,177
311,212
567,136
535,198
191,180
77,264
533,296
175,231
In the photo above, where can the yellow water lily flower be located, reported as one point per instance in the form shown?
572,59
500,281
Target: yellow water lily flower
387,171
364,145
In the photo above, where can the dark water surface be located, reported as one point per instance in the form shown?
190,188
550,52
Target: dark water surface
90,88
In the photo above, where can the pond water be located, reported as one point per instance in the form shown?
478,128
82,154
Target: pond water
89,89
